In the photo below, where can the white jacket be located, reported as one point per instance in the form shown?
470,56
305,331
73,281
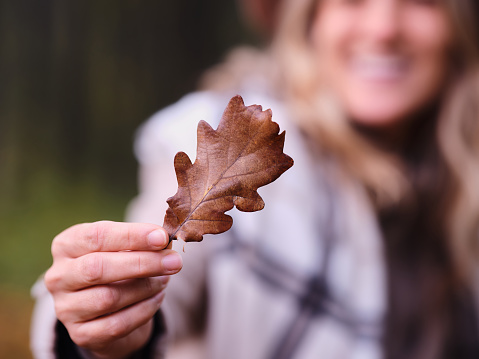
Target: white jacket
303,278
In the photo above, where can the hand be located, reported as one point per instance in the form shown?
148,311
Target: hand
107,281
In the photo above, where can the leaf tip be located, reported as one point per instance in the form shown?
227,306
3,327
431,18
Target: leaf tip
182,161
237,100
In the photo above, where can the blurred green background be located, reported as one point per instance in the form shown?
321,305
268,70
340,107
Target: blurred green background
76,79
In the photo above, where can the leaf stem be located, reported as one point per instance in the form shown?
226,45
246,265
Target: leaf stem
171,238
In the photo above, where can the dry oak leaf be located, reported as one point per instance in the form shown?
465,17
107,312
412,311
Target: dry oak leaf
243,154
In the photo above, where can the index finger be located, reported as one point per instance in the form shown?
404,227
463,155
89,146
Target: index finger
107,236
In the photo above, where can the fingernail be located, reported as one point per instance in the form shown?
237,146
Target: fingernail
172,262
157,238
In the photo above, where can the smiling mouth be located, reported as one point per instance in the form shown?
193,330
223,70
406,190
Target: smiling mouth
379,68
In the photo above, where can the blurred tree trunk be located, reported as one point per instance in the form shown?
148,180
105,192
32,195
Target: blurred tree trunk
77,78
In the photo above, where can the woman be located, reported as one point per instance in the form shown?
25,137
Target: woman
366,248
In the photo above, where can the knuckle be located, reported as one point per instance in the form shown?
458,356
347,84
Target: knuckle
128,233
61,310
107,299
63,240
57,245
148,264
92,235
141,266
80,336
97,234
116,327
92,268
51,279
88,336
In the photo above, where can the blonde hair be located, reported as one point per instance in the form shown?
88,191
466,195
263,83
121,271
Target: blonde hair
457,129
317,111
290,61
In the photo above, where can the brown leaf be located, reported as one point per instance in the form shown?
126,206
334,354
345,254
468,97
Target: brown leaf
243,154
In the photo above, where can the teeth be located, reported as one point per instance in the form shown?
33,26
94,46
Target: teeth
379,68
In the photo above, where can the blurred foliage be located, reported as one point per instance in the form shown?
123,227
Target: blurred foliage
76,80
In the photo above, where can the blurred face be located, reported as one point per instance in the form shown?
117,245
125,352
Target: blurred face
384,59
